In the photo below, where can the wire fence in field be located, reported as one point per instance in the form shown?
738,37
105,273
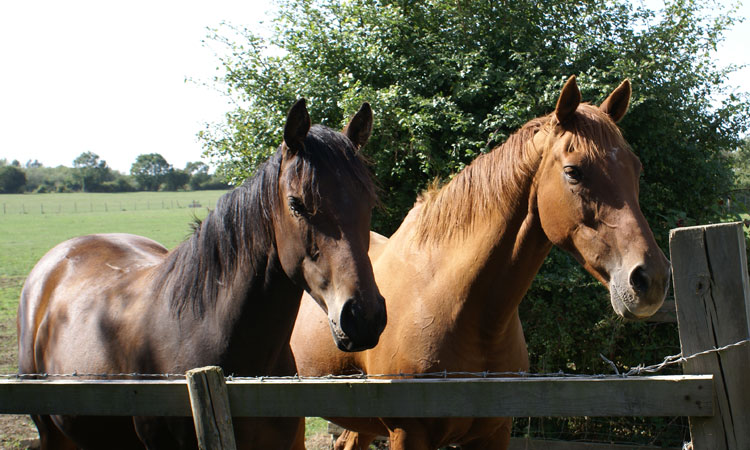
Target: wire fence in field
102,204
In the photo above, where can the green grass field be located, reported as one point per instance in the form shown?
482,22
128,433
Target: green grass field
31,224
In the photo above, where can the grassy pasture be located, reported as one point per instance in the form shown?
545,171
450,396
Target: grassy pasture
31,224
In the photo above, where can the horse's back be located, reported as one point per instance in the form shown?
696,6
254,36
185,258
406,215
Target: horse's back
377,245
66,289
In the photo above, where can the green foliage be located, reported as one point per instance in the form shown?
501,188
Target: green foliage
446,85
150,171
12,179
91,172
450,79
740,160
95,176
176,179
42,179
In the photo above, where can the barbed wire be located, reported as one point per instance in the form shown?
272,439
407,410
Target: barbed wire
360,375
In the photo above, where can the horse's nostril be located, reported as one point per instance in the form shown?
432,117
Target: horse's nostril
639,280
348,318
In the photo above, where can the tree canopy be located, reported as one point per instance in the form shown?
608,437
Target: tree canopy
91,172
451,79
150,171
12,179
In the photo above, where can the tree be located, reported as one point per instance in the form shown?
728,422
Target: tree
447,86
450,80
150,171
740,160
176,179
12,179
91,172
200,179
196,167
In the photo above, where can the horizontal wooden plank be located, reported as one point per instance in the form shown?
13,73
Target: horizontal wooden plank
546,444
491,397
528,397
518,443
88,397
667,313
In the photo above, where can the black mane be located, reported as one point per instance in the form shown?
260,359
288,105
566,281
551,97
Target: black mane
238,234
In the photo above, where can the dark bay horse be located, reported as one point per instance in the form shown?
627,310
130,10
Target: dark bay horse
227,296
455,271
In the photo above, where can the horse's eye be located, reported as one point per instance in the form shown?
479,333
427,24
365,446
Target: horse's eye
297,207
573,174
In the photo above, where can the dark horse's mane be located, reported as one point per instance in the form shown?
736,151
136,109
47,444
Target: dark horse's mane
238,234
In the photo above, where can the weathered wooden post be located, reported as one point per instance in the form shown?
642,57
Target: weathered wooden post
210,404
713,299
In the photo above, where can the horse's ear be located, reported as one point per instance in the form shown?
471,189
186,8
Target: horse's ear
359,128
297,126
570,98
616,105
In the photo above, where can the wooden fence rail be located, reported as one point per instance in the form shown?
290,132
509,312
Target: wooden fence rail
712,295
531,397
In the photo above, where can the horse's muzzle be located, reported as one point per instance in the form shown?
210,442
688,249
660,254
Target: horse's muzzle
639,293
359,328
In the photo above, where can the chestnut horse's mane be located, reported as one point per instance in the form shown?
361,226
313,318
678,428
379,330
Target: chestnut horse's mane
494,181
238,234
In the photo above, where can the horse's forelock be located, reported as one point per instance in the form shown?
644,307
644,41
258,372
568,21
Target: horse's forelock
594,132
332,152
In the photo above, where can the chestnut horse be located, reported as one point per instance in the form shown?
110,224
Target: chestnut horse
227,296
455,271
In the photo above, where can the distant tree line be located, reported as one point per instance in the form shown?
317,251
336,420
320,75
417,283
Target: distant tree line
149,172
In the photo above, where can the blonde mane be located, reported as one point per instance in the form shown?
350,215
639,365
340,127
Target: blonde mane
494,182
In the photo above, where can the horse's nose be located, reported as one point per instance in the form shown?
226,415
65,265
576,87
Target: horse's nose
639,280
362,329
649,284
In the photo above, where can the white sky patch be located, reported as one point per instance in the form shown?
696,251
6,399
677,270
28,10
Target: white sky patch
109,77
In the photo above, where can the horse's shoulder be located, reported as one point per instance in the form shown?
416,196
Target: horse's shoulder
377,245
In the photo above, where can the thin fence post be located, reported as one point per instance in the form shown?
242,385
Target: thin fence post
210,404
712,293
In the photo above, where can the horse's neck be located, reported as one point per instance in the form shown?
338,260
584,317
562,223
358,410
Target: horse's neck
259,320
490,267
246,326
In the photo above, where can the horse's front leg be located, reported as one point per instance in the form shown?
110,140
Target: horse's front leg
162,433
498,439
409,435
50,437
351,440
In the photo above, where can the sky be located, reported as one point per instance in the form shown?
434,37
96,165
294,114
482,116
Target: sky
109,77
